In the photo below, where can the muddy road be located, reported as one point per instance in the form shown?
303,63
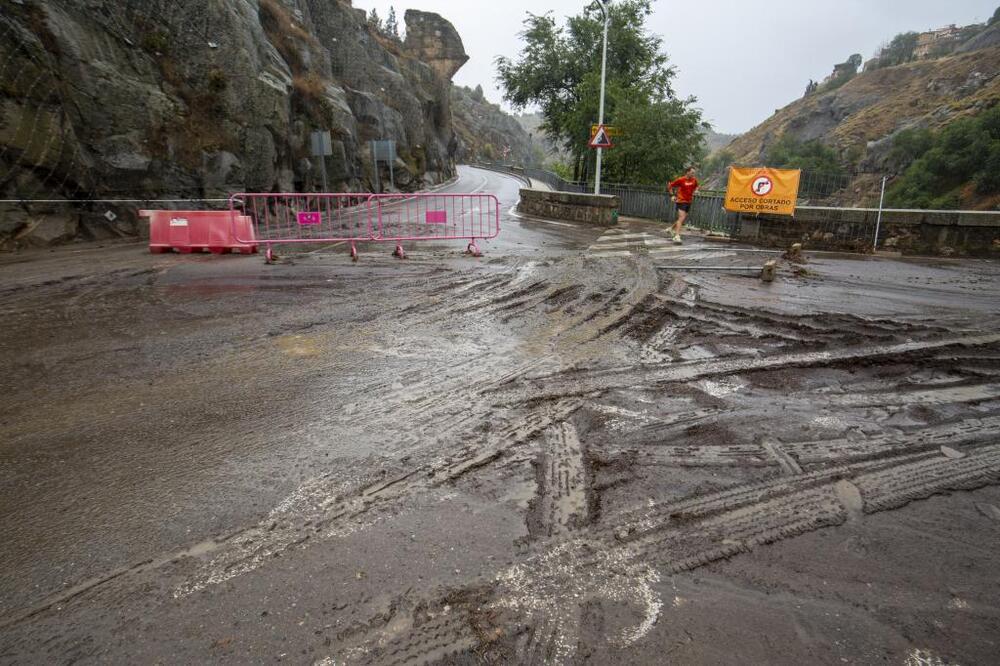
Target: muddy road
554,454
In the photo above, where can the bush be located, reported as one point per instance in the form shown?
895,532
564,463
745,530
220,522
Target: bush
899,51
155,42
943,164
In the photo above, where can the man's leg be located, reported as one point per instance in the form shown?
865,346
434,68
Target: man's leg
681,218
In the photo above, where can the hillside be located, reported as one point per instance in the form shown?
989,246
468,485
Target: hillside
860,119
485,131
182,99
714,141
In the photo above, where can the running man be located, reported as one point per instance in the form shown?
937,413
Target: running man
682,193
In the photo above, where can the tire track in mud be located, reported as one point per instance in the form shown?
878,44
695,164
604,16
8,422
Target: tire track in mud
324,508
330,519
540,596
886,445
584,382
327,506
561,504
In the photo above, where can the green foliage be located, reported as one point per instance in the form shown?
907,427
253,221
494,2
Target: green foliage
391,28
842,73
559,69
899,51
815,156
944,164
909,145
717,164
561,169
823,172
996,17
374,21
156,41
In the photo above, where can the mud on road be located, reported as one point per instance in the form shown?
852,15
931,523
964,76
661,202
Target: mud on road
557,459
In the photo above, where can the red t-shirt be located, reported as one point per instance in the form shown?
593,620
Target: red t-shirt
685,189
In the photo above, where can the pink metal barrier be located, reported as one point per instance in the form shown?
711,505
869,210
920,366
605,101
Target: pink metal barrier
189,231
279,219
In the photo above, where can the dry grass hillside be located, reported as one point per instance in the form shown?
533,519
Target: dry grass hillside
873,106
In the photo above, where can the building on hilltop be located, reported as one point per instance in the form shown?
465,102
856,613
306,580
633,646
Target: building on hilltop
844,71
929,42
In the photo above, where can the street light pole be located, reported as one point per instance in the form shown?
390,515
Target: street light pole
604,77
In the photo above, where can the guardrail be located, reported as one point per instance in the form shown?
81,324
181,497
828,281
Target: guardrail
296,219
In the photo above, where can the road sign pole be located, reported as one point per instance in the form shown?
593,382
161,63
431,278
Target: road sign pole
878,222
322,147
604,78
377,184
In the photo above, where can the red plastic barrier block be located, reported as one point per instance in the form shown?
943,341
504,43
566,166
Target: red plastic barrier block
187,231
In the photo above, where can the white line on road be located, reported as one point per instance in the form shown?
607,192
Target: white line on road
614,235
602,255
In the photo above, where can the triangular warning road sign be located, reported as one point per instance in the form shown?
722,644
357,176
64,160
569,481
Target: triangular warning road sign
601,138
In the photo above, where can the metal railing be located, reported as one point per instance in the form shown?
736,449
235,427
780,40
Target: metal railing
645,201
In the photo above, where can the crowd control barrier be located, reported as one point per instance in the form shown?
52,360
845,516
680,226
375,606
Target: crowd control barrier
296,219
188,231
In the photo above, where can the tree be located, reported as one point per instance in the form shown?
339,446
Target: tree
811,87
478,94
995,18
559,69
945,163
899,51
374,21
391,25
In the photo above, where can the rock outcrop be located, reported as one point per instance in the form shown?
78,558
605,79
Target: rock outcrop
178,99
486,133
435,42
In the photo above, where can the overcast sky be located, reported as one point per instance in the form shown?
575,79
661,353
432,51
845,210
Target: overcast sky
741,59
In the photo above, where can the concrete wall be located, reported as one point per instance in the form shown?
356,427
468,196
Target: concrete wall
590,208
945,233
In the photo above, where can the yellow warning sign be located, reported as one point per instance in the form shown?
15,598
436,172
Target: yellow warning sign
611,130
762,190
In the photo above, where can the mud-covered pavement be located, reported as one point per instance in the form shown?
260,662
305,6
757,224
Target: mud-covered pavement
556,453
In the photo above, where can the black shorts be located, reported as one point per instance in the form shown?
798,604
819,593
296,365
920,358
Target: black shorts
686,207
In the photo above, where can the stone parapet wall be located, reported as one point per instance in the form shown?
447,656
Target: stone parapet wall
916,232
590,208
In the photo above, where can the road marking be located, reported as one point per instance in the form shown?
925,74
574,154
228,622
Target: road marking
621,235
604,255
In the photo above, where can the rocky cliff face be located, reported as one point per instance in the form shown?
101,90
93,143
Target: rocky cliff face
105,99
485,131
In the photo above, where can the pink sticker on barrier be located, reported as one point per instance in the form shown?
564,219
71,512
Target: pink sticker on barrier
307,219
437,217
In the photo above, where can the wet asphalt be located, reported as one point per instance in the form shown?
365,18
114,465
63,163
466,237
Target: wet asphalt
209,459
